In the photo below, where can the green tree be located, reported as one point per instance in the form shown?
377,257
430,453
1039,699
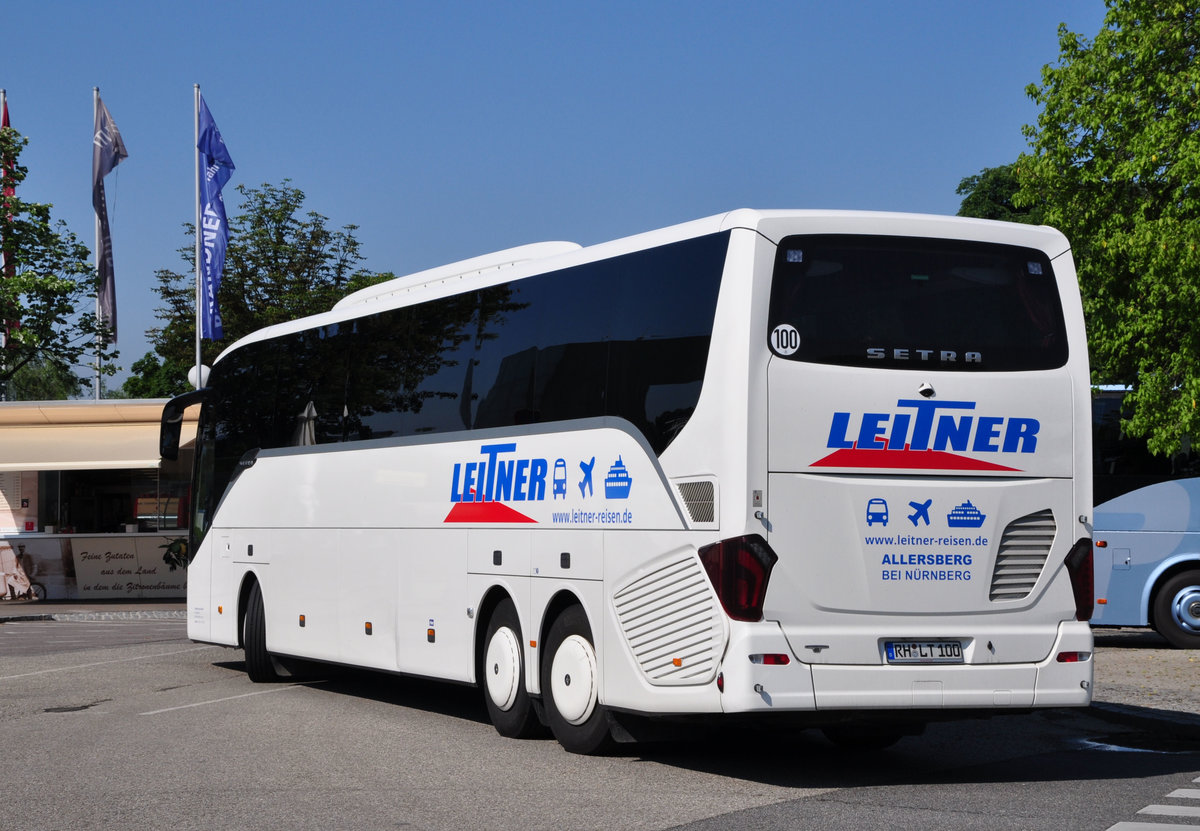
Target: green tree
44,380
47,293
281,264
989,195
1115,164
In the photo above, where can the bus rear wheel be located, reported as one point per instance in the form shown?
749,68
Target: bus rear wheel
1177,610
571,685
502,676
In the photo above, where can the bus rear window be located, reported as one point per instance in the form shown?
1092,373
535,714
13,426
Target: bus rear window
912,303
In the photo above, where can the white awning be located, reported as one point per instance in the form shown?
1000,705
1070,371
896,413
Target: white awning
79,447
82,435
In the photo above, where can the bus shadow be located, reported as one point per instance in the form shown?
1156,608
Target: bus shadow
416,693
1005,749
945,756
1126,638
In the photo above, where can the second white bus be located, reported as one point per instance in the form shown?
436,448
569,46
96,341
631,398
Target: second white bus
827,466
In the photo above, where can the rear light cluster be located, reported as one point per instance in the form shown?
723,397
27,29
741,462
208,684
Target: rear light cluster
1079,568
739,569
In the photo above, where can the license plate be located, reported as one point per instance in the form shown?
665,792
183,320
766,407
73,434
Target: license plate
923,652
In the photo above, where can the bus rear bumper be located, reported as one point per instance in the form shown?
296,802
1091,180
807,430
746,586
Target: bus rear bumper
797,686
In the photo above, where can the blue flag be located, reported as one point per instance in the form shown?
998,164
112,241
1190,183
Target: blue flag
216,168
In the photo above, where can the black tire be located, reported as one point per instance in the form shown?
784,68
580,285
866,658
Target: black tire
502,676
575,716
37,591
260,666
1177,610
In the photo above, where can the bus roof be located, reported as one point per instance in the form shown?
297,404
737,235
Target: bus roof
527,260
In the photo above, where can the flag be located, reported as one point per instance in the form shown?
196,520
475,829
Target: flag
108,150
215,169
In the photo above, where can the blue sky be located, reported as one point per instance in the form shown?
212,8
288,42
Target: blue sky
447,130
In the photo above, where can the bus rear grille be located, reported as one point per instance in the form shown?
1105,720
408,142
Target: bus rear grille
1024,547
699,497
673,623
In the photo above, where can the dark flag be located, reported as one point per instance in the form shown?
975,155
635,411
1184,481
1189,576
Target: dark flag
107,152
216,167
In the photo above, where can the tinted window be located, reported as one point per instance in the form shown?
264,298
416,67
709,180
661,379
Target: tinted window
1122,463
626,337
906,303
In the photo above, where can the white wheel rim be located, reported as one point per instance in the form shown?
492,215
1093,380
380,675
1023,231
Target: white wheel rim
573,679
502,668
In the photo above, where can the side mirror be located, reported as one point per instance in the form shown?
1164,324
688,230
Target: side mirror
172,422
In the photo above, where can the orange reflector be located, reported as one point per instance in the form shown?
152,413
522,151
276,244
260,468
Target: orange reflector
533,644
1101,543
302,620
220,610
1103,601
367,627
430,635
677,661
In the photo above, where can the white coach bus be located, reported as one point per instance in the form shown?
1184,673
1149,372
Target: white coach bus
833,466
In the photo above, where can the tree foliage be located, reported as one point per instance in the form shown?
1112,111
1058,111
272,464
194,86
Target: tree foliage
281,264
990,193
47,293
1115,164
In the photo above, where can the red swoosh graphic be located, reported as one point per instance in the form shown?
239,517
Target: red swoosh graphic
485,512
906,460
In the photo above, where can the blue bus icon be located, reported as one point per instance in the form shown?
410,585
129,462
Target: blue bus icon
877,511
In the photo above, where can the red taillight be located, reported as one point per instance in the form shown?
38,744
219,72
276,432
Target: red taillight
739,569
1079,567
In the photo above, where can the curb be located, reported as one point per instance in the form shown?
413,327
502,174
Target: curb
150,614
1182,725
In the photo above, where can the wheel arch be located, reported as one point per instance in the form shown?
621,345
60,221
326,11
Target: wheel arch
1166,570
492,598
561,601
248,581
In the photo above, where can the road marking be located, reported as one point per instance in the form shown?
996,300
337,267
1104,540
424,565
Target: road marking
1178,809
229,698
1172,810
102,663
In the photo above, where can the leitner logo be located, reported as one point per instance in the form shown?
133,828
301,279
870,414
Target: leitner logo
927,435
480,488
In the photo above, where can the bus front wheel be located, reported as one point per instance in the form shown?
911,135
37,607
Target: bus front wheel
260,665
1177,610
502,676
571,685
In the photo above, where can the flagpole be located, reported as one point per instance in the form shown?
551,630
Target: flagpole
196,180
99,254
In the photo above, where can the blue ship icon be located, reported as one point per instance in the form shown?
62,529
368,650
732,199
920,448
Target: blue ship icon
965,515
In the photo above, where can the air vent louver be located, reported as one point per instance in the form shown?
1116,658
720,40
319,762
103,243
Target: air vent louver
1024,547
699,497
673,623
